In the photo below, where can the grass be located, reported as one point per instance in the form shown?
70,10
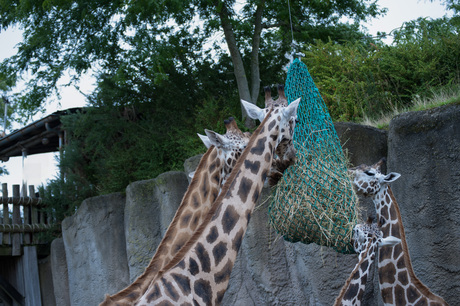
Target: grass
438,97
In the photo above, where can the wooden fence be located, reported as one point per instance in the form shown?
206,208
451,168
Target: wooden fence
17,227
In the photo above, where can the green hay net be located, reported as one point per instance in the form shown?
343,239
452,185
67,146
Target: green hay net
314,201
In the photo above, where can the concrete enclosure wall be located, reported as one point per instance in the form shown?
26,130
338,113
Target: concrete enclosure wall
110,240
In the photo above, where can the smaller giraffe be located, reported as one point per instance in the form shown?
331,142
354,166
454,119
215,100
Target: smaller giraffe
397,280
367,238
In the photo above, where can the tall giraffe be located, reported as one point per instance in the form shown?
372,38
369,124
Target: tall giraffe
215,164
200,271
367,238
397,280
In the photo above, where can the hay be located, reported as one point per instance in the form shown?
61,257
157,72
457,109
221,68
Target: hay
315,201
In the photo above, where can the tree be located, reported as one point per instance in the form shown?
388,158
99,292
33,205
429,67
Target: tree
76,36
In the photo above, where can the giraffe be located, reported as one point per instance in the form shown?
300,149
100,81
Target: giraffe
367,238
200,271
397,280
216,163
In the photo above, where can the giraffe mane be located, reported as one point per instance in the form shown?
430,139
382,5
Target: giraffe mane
352,274
418,283
139,282
217,202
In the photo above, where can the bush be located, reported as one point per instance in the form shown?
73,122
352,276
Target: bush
357,79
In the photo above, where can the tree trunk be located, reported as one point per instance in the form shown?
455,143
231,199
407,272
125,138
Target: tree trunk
255,70
240,74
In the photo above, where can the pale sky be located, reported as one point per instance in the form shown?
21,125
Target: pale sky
38,169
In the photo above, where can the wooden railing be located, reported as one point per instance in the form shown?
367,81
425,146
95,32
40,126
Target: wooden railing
26,218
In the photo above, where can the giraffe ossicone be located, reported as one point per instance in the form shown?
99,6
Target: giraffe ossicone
397,280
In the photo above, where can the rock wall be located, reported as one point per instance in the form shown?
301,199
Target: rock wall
422,146
95,249
150,207
425,148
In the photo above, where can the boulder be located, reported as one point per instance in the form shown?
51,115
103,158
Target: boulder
150,208
95,249
424,147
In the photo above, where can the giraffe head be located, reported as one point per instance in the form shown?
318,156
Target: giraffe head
229,146
284,119
368,180
368,233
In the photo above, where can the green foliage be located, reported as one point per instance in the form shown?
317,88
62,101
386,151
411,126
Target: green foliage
357,79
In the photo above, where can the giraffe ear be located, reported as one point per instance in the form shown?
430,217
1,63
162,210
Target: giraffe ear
390,241
291,109
217,140
391,177
205,140
253,111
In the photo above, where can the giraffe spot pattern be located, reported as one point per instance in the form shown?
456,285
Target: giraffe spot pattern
385,253
244,189
155,293
204,186
170,290
193,267
219,251
183,282
364,265
387,295
252,166
220,297
229,219
351,292
387,274
195,220
402,277
397,251
412,294
224,274
255,195
195,200
237,240
268,156
271,124
400,296
259,148
181,264
213,234
185,220
203,289
203,258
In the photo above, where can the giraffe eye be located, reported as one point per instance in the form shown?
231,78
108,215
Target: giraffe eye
369,173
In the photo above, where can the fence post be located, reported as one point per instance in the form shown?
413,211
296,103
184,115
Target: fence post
16,248
27,214
6,212
36,214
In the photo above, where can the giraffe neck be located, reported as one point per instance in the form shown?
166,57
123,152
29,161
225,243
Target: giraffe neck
353,291
200,272
197,200
397,280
